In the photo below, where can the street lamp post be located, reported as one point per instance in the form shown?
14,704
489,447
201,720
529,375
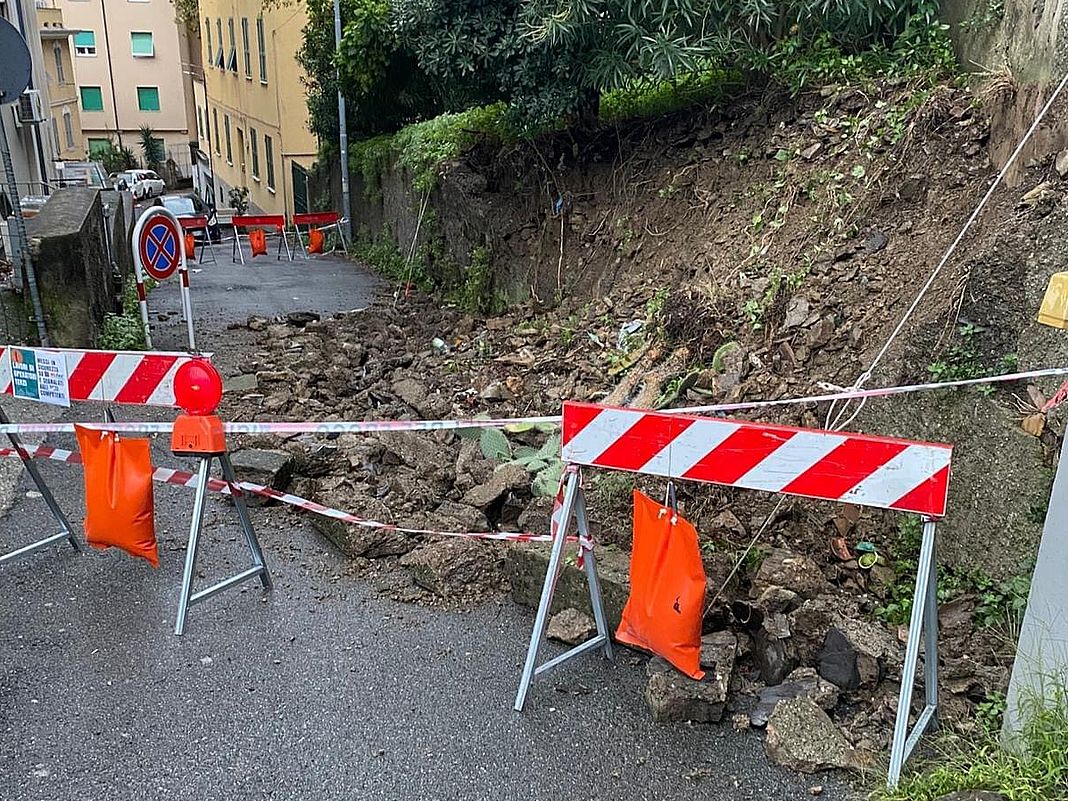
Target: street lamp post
342,122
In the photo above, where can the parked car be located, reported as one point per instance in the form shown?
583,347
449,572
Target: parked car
190,204
142,183
81,173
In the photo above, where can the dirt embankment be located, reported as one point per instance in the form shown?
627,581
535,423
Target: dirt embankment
755,252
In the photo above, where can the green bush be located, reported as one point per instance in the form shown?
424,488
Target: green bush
125,331
1038,771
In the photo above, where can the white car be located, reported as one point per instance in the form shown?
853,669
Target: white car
142,183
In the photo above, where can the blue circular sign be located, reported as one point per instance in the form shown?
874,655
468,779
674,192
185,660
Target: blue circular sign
161,248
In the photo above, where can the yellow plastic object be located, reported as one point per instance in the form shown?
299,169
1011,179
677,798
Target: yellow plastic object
1054,311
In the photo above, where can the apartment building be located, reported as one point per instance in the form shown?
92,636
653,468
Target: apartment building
129,63
57,48
26,125
251,109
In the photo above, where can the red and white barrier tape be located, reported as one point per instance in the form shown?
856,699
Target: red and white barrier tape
164,475
373,426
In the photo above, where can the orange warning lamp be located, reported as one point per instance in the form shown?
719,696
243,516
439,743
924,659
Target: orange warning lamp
198,390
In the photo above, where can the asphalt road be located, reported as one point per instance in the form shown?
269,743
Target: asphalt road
322,689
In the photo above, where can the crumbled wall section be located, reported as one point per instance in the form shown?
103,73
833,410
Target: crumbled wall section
74,273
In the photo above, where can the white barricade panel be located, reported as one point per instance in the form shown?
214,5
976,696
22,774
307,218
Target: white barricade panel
125,377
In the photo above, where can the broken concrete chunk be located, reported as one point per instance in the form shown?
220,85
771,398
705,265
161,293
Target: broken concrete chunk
410,391
455,567
802,683
571,627
269,468
673,697
783,568
506,478
838,661
241,383
802,737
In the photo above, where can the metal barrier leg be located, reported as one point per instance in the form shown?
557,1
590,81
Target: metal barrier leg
66,532
922,625
531,669
246,522
590,564
259,566
185,599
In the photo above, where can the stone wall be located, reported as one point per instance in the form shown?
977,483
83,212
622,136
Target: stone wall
70,250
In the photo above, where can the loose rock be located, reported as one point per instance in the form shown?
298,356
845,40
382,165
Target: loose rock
571,627
673,697
455,567
783,568
801,737
802,683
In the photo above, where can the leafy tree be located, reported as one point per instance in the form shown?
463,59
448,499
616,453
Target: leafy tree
383,85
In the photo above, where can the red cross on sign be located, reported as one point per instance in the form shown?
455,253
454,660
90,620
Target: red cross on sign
160,247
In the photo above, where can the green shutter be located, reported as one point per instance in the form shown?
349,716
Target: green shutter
148,98
141,44
92,98
85,39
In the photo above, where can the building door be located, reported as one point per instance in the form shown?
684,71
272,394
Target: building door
300,189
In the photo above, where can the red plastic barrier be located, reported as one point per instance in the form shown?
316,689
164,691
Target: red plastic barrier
275,221
317,218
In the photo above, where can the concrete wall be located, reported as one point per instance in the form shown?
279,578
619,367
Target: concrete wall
70,250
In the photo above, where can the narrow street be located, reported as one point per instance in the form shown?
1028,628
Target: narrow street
321,689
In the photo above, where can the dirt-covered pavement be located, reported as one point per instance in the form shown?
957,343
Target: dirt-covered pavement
322,689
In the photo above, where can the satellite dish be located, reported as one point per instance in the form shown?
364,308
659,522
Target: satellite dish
14,63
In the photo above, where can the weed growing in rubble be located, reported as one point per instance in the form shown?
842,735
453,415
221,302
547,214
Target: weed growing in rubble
125,331
961,361
1035,770
543,464
1001,602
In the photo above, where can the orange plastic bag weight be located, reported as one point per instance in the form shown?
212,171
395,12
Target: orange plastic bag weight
257,240
315,241
667,587
118,493
190,247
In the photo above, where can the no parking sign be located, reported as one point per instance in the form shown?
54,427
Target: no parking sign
158,251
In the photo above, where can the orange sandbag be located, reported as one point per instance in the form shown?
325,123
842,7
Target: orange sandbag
118,493
315,241
257,240
667,587
190,247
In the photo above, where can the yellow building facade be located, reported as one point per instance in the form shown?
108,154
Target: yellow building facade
251,111
56,44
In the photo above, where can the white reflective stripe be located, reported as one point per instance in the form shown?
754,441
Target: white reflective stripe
72,358
163,395
899,476
689,447
598,435
799,453
115,377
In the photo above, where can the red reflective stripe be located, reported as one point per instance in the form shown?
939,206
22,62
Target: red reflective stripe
148,375
738,454
929,498
317,218
844,468
185,278
642,441
88,373
576,417
276,221
141,294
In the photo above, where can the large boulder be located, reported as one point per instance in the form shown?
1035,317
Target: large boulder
803,738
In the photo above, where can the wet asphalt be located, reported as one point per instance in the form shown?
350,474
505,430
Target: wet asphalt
321,689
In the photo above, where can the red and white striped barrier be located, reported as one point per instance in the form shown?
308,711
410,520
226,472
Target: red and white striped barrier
124,377
850,468
861,469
